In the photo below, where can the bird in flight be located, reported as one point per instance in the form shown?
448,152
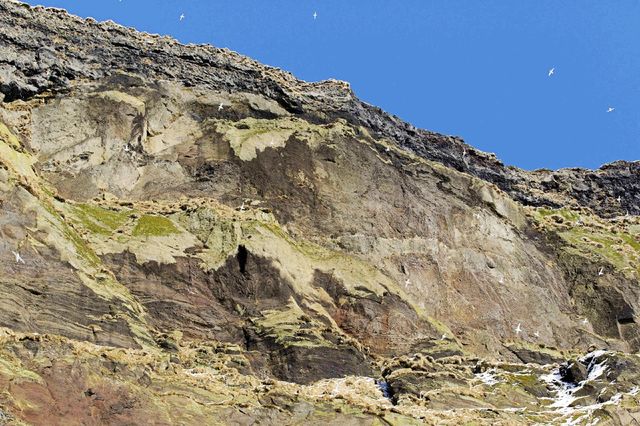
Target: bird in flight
585,321
518,329
552,71
315,15
182,17
220,106
601,272
610,109
18,257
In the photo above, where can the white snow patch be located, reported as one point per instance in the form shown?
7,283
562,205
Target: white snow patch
596,371
578,415
594,354
564,391
488,377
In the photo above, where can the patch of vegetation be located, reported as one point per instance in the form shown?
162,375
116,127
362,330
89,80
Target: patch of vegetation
82,249
565,214
100,220
154,226
632,241
591,236
606,246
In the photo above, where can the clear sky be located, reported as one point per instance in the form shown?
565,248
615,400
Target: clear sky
473,68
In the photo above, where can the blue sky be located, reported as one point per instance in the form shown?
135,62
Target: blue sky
473,68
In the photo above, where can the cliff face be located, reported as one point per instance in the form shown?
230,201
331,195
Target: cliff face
206,239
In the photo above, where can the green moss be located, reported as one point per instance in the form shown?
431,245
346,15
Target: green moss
100,220
79,244
594,238
632,241
154,226
613,248
564,213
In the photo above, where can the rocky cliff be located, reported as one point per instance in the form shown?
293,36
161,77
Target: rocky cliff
188,236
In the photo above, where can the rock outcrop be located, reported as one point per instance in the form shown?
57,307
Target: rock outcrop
206,239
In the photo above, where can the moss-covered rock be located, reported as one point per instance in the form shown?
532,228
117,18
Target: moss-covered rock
100,220
154,226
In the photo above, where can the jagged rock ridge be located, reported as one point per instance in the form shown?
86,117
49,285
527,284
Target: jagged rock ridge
186,263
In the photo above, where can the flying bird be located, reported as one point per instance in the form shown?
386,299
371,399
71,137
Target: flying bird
601,272
518,329
19,258
182,17
610,109
315,15
585,321
220,106
537,334
552,71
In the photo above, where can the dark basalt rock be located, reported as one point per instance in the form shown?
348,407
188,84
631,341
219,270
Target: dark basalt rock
305,364
573,372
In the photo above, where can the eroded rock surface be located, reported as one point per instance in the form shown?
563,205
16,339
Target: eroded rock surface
207,239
